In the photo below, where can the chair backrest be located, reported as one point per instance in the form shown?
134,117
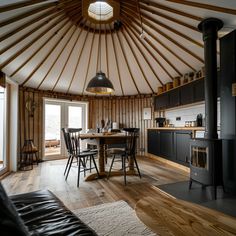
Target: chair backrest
132,134
72,140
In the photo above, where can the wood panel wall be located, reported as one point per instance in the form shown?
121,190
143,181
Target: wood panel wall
127,111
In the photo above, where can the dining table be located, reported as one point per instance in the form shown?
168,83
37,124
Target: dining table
101,140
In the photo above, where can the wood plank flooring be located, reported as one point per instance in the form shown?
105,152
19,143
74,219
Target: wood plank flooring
168,216
49,175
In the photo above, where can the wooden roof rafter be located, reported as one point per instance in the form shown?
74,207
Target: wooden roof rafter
68,58
146,47
50,51
14,6
27,14
56,60
146,40
15,55
127,63
137,61
28,23
165,16
115,50
143,54
78,61
205,6
170,9
165,26
27,34
90,54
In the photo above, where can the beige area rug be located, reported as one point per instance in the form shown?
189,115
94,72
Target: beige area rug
113,219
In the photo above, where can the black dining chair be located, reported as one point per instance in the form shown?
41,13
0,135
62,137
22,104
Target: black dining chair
126,152
72,141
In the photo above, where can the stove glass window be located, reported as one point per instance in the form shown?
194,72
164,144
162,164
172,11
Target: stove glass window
199,157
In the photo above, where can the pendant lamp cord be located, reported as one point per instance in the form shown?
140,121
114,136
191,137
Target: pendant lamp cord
100,36
140,17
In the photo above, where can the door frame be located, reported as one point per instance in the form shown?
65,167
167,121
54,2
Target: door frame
6,132
64,121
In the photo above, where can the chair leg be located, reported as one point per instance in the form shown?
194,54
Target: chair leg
71,160
95,165
84,162
135,161
36,158
112,162
124,167
78,172
90,163
67,164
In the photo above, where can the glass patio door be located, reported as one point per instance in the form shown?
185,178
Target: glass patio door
57,115
52,133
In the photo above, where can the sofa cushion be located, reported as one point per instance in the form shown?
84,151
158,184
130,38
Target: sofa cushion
44,214
10,222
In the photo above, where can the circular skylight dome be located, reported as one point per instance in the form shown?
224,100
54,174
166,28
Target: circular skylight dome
100,11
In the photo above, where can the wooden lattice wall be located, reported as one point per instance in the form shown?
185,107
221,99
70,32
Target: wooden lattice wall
127,111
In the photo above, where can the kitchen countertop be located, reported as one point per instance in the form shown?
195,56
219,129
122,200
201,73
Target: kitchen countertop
179,128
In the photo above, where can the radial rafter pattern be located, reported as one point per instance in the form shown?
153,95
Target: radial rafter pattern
50,45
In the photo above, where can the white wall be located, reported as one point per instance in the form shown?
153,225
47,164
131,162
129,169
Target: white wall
189,113
13,125
2,121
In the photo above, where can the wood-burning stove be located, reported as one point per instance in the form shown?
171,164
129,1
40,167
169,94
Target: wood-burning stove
206,154
206,162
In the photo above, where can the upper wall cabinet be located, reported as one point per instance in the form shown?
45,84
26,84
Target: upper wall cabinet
186,94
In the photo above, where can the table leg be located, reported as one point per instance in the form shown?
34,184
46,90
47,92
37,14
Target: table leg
101,164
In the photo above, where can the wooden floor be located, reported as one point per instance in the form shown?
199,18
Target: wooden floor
49,175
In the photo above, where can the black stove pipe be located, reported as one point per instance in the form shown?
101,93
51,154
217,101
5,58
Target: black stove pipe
209,28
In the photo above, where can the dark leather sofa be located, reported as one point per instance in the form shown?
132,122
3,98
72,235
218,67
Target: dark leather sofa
38,213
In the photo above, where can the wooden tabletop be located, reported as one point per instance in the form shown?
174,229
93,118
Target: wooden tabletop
167,215
103,135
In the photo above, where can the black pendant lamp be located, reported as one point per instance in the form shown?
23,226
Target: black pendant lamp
100,84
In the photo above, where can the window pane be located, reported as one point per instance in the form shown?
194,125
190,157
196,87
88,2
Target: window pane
75,117
52,129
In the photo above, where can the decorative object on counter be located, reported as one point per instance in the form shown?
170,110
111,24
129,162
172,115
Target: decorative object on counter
115,125
176,82
163,88
199,120
190,76
190,123
185,79
147,113
160,121
160,90
198,74
169,86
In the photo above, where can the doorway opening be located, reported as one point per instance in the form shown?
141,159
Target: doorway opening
60,114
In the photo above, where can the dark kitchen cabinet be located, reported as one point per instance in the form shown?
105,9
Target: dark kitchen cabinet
166,144
199,92
228,109
162,101
182,147
173,145
174,98
154,142
186,94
